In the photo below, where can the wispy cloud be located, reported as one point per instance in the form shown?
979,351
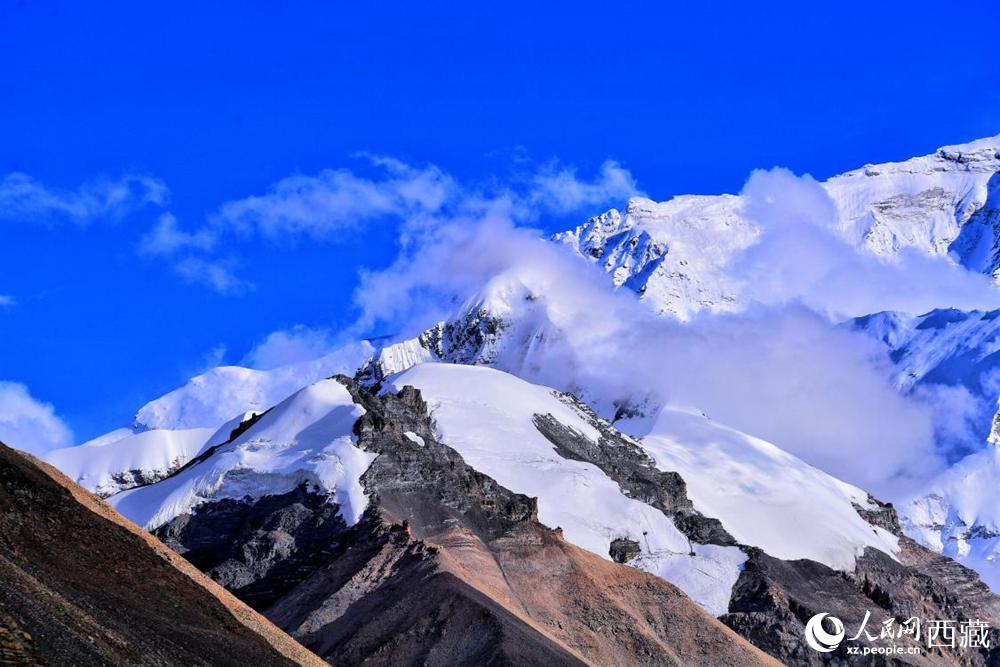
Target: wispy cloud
558,187
218,274
25,199
29,424
326,206
337,200
165,238
300,343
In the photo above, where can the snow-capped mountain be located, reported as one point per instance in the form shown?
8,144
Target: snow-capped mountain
305,439
490,445
171,430
702,506
674,254
216,396
505,325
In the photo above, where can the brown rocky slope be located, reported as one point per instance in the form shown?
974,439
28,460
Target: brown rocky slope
84,586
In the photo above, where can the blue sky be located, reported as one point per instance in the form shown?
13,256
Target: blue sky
185,110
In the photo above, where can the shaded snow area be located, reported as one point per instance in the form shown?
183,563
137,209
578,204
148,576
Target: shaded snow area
487,416
307,438
949,358
764,496
960,515
216,396
123,459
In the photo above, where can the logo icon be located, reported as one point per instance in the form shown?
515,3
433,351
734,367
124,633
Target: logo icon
821,640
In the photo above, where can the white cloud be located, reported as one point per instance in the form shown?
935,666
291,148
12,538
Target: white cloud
337,200
333,202
165,238
558,188
215,273
300,343
784,373
24,199
801,257
29,424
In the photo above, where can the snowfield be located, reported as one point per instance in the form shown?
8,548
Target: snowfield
307,438
764,496
122,459
486,415
215,397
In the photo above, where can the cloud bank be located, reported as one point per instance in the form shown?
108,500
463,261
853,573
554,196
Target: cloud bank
781,369
29,424
801,257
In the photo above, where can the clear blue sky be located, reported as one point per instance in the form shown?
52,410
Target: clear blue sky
221,99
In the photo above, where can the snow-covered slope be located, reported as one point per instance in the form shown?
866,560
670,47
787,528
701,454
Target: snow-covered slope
671,253
944,346
674,253
307,438
171,430
758,491
108,465
753,487
487,416
215,397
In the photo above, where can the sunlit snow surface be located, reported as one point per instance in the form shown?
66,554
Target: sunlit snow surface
104,464
486,415
764,496
218,395
675,253
307,438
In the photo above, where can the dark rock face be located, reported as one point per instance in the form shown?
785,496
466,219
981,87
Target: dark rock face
258,550
774,599
884,515
635,472
623,549
428,485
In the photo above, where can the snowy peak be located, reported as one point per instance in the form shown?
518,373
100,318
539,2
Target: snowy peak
305,439
674,253
504,325
671,253
216,396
